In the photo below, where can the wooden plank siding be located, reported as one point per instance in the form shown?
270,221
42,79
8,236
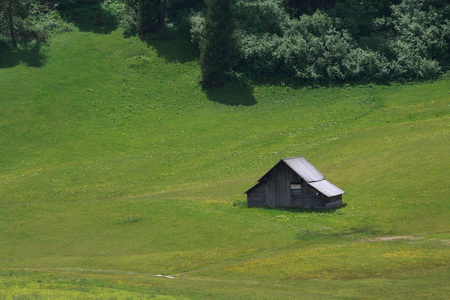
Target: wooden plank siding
278,181
297,196
257,195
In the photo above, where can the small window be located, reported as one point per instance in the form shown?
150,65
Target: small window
296,186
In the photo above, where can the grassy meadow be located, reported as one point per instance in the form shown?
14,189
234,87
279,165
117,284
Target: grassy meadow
120,178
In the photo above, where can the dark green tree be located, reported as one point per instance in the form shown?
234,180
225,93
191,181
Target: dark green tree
11,12
17,23
147,15
219,49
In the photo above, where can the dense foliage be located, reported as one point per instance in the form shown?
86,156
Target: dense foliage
144,16
18,22
148,16
409,40
25,22
296,8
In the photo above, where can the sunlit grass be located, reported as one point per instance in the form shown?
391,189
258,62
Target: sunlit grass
115,167
362,259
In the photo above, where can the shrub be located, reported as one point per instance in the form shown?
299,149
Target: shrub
129,23
258,53
197,24
261,17
52,23
366,64
113,11
422,37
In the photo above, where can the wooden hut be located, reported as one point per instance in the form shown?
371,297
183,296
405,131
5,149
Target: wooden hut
294,182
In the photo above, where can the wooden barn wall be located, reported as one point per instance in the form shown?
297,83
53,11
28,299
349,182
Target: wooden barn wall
274,190
297,195
257,196
314,199
310,197
335,201
278,186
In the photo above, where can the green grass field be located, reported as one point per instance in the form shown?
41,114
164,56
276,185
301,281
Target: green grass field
116,167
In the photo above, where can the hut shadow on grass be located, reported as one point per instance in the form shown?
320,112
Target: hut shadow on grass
31,56
233,94
332,210
313,210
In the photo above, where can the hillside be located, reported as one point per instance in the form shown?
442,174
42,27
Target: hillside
116,167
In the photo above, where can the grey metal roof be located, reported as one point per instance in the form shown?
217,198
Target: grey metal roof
326,188
304,168
310,174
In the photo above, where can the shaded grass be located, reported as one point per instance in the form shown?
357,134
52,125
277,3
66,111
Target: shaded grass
116,166
32,56
234,94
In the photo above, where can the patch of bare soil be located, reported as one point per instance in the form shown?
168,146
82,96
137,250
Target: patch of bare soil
389,238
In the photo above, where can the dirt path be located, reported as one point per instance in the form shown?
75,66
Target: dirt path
389,238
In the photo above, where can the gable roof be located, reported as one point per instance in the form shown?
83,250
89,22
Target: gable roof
309,173
304,169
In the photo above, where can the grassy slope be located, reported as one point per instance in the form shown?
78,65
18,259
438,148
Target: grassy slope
115,167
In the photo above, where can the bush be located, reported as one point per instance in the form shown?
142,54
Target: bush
113,11
128,24
422,38
258,53
357,16
261,17
52,23
366,64
309,48
326,48
197,23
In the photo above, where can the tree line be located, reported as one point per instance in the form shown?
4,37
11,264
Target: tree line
342,41
304,40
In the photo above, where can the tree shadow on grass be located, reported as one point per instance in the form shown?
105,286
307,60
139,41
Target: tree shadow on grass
233,94
31,56
90,18
173,49
102,28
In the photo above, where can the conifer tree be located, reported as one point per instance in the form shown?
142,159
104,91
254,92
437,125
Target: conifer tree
12,13
18,24
218,45
148,14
